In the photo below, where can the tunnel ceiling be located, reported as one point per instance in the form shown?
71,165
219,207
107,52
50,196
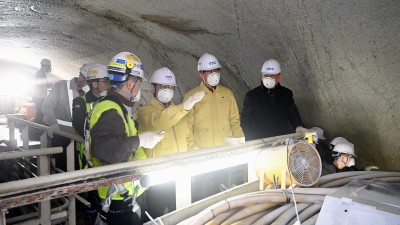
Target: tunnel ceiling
340,58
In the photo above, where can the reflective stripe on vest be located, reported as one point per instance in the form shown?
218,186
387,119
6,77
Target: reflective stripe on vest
130,130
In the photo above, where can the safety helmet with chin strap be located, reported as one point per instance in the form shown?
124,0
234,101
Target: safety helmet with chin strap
125,64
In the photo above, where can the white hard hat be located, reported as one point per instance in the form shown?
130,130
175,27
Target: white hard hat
163,76
319,131
97,71
125,64
85,68
271,67
338,140
45,62
344,147
208,62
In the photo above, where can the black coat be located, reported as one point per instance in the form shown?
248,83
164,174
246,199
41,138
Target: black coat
79,113
110,143
268,113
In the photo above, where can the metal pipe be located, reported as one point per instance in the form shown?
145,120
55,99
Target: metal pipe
66,134
140,166
30,153
25,217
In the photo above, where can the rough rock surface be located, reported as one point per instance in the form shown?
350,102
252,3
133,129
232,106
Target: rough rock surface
341,59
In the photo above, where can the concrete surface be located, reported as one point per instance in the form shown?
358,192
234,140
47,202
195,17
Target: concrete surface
340,58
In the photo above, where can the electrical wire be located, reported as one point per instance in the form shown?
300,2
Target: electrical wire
291,185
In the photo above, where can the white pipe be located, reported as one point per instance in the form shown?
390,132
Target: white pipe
285,217
307,213
376,174
30,153
140,166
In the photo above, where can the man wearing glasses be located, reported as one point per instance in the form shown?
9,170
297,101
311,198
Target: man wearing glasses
342,157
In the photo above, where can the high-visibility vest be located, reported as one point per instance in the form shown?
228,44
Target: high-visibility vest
130,130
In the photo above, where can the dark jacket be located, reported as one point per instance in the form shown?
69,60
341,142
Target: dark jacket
110,143
79,112
268,113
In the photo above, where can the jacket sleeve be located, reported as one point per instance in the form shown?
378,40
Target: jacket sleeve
294,115
109,141
50,104
235,118
190,123
79,115
155,121
245,117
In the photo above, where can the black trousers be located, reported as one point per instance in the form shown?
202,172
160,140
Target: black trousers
38,104
160,197
121,214
61,158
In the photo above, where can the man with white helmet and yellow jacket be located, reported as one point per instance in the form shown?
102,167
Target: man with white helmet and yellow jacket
212,122
160,113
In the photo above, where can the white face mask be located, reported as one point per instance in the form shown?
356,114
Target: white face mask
213,79
165,95
103,93
351,162
136,98
86,88
315,139
269,82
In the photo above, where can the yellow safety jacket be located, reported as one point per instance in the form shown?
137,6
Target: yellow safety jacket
155,117
212,119
130,130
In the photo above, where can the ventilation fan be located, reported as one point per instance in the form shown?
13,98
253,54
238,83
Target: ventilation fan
301,159
304,164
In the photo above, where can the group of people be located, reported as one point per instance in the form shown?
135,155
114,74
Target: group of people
98,105
339,156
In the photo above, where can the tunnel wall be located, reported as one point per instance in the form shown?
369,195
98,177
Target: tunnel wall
340,58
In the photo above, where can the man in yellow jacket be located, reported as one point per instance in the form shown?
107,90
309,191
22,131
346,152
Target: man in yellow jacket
162,114
216,117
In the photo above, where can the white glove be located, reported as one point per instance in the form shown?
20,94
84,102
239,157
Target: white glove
234,140
150,139
195,98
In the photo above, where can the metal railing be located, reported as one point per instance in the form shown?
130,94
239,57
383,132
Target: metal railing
43,162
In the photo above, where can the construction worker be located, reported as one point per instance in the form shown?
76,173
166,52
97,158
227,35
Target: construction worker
160,113
114,139
39,93
342,157
97,79
211,121
319,141
57,111
269,109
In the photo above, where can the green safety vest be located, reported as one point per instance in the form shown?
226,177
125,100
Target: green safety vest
130,130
